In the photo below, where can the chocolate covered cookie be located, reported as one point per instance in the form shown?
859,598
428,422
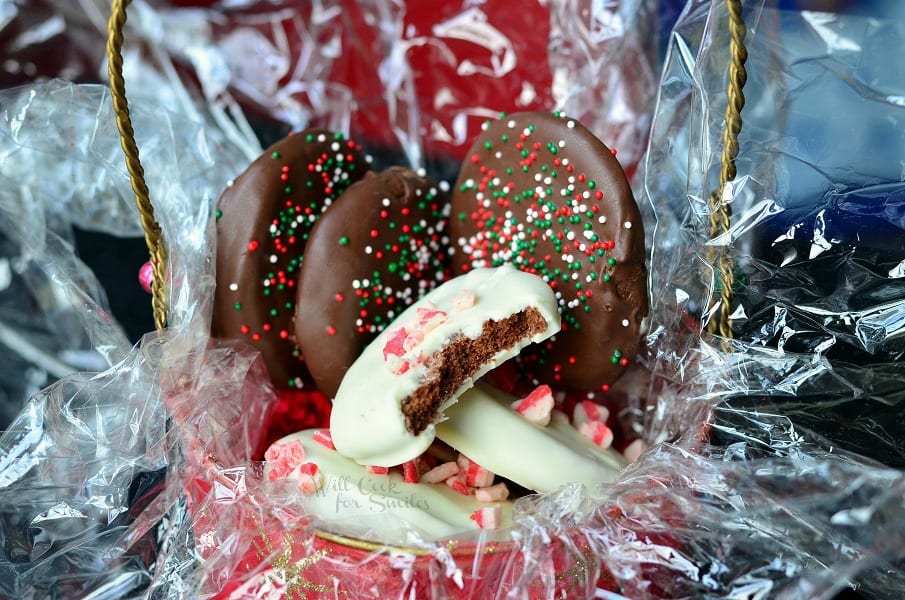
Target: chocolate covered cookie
264,220
374,253
540,191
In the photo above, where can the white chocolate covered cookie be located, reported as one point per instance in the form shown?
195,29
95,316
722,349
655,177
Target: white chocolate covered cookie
390,399
484,426
350,499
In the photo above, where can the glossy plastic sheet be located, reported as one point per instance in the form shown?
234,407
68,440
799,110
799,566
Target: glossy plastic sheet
140,480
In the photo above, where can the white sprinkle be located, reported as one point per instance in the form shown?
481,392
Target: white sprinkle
627,224
334,146
561,144
625,323
273,258
368,249
231,183
444,186
385,202
601,219
233,287
511,124
570,124
322,138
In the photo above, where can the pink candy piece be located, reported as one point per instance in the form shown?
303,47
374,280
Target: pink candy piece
395,344
377,470
429,318
310,479
284,457
536,406
397,365
146,276
475,474
410,472
597,432
464,300
441,472
488,518
324,438
494,493
412,340
586,411
458,483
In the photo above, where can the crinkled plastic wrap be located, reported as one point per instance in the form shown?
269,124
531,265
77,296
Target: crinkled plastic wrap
772,470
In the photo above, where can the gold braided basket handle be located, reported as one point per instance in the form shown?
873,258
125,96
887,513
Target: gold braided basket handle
720,210
151,228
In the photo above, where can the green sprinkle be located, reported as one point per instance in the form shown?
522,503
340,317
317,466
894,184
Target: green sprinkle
218,213
344,241
607,277
611,261
275,154
591,184
238,306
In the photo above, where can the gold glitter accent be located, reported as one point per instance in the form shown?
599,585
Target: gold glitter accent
292,571
577,574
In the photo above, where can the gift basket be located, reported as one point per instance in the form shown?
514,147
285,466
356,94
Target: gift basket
765,401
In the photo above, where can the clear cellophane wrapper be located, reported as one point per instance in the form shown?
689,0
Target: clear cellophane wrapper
773,466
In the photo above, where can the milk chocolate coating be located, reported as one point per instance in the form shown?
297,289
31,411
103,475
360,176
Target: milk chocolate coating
264,220
542,192
374,253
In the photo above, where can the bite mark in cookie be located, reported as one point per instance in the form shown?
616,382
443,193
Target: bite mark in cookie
391,397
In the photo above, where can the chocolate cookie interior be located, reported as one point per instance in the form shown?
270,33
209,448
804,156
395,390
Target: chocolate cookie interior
460,359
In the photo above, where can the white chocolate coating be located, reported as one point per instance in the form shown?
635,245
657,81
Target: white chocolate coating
383,508
484,427
367,422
